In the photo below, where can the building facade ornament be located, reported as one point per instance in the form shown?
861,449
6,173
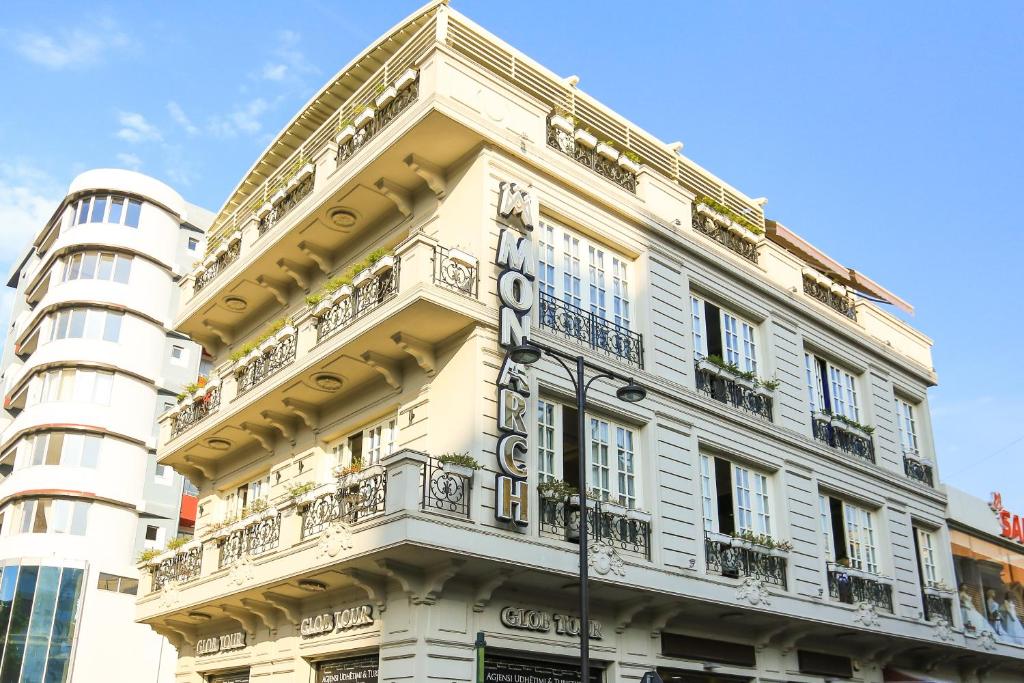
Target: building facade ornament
987,641
605,560
866,613
944,631
241,571
753,591
335,538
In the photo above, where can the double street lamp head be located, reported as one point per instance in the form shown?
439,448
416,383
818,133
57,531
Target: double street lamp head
528,354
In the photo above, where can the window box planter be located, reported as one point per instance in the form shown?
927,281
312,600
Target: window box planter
639,515
941,592
627,164
285,332
616,509
265,209
363,118
575,501
253,355
584,138
846,427
209,261
608,152
362,278
221,249
278,197
716,537
385,263
462,257
236,236
707,211
457,470
820,416
267,346
344,292
407,78
323,306
561,123
369,472
389,94
345,134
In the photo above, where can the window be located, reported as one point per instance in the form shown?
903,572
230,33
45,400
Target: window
154,538
244,496
926,557
718,332
189,489
830,389
86,323
117,584
64,448
849,534
115,209
193,244
370,445
560,262
164,474
178,354
72,384
734,498
93,265
907,426
611,453
54,516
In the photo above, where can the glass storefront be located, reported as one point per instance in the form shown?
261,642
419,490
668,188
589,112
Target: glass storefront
39,608
990,583
510,669
238,676
360,669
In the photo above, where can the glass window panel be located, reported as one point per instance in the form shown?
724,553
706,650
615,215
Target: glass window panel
116,208
112,327
74,267
40,624
8,579
122,270
103,387
55,446
28,510
79,518
91,450
707,493
546,441
38,449
129,586
60,330
83,213
626,466
599,469
595,272
107,582
18,630
89,265
76,328
84,384
99,206
697,317
64,625
131,218
94,322
106,267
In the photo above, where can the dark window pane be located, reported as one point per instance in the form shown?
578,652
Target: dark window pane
131,218
63,626
116,208
7,582
39,626
107,582
129,586
18,630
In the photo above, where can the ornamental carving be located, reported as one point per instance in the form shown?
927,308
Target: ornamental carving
866,613
241,571
987,641
753,591
169,595
335,538
605,560
944,631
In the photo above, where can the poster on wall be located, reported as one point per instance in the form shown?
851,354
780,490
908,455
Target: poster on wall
353,669
512,670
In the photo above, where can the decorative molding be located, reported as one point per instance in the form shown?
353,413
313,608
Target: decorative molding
244,617
277,288
207,467
661,618
867,614
484,591
753,591
400,196
290,607
224,335
432,174
604,560
283,423
318,255
624,616
389,368
307,412
295,271
335,537
264,435
267,613
420,350
422,586
375,586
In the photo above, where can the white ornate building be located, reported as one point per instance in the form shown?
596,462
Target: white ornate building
769,512
90,360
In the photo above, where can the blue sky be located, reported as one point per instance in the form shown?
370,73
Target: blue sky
886,133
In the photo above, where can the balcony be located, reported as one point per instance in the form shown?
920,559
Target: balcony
736,558
445,490
253,539
918,469
590,329
285,199
219,259
834,296
350,500
938,604
628,531
195,410
372,120
456,270
853,586
584,149
267,362
725,231
181,567
717,383
831,431
356,301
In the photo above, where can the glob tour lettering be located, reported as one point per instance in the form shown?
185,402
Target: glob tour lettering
229,641
542,621
341,620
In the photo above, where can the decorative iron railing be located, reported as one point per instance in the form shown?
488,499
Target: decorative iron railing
707,226
366,297
266,364
733,391
252,540
938,607
733,559
841,304
351,503
566,144
837,435
853,588
558,517
283,207
211,271
458,274
443,490
195,411
382,118
181,567
591,329
918,470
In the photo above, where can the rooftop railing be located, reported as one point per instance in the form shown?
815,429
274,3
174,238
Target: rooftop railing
837,302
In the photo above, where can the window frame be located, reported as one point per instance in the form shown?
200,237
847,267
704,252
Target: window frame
861,531
744,350
84,210
822,393
758,486
906,427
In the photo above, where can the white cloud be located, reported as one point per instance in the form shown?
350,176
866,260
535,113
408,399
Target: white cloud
135,128
129,160
244,119
179,117
75,48
289,64
275,72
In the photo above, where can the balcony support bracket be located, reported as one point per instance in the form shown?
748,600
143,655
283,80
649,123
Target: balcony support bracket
222,334
420,350
422,586
295,271
662,617
486,589
625,615
207,467
307,412
318,255
389,368
264,435
375,587
400,196
244,617
290,607
432,174
277,288
282,423
267,613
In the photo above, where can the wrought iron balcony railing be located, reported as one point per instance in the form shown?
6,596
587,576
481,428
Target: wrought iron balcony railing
732,391
560,518
444,490
937,607
853,587
456,271
252,540
195,411
735,559
841,304
266,364
707,226
282,208
589,157
183,566
844,438
591,330
382,118
224,260
918,469
356,498
366,297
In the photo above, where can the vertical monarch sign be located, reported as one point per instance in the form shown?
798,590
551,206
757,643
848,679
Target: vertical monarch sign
517,210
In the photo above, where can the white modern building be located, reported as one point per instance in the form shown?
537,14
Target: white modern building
89,361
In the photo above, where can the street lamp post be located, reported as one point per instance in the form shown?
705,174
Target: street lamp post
631,392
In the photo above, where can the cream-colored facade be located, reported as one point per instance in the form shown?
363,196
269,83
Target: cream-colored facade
764,521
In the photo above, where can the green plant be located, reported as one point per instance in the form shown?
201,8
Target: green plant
749,375
608,142
379,89
632,156
763,540
769,384
250,346
314,299
182,396
359,109
148,554
556,488
345,123
851,423
300,489
459,459
375,255
355,467
177,542
728,213
258,505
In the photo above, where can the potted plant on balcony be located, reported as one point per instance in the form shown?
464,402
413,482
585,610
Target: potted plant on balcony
556,489
407,78
608,151
638,515
346,131
852,426
348,476
278,196
629,162
380,260
459,464
585,137
385,95
562,122
363,116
